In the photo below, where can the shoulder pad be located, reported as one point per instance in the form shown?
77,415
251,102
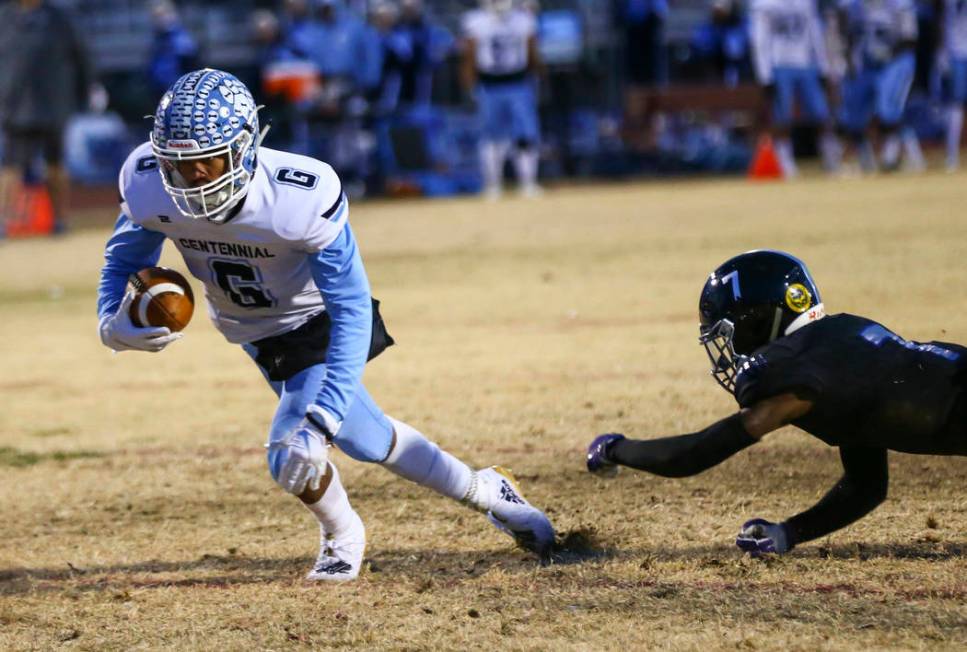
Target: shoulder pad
314,206
138,174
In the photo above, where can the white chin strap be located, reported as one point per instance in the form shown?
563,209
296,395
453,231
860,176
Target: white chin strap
815,313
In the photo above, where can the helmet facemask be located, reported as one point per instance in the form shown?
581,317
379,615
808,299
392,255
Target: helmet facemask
207,114
211,201
718,342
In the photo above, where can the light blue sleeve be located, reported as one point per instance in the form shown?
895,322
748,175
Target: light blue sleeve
339,274
130,248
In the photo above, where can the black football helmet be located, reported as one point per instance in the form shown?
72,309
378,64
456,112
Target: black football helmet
749,301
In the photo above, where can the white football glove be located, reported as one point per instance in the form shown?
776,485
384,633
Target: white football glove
118,333
307,452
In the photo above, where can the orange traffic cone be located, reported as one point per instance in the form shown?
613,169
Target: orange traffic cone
765,164
33,214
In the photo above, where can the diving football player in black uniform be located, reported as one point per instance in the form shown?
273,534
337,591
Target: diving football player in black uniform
846,380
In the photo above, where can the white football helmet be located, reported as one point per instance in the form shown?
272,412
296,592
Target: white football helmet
207,113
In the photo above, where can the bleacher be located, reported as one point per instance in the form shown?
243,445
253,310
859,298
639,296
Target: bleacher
123,28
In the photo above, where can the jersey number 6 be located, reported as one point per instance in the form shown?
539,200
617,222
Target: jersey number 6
298,178
242,283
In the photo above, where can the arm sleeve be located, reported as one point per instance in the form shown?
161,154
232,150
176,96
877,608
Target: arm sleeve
129,249
775,372
338,272
684,455
759,34
862,487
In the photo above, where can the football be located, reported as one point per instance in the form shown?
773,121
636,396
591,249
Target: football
162,297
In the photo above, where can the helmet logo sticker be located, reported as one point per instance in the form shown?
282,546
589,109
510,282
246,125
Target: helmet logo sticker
798,297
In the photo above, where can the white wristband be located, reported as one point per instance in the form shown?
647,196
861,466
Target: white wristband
319,416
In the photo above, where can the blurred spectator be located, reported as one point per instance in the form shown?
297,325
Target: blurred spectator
421,46
499,61
288,80
380,74
336,122
45,76
338,47
297,26
173,49
381,83
643,24
723,41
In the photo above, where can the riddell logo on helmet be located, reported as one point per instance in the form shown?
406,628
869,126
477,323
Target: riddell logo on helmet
182,144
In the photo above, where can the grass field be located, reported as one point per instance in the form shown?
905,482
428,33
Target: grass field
138,513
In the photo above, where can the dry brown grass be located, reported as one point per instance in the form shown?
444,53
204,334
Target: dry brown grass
137,512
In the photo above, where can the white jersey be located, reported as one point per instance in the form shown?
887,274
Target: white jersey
501,39
877,27
955,28
255,266
786,34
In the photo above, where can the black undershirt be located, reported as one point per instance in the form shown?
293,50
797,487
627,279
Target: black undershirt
683,455
862,487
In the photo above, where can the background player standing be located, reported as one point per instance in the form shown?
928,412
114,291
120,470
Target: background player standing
881,40
789,52
846,380
499,60
954,55
267,233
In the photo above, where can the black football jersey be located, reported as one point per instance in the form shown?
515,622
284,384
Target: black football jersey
869,386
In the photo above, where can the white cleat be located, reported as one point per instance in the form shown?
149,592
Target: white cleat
492,193
340,557
531,191
511,513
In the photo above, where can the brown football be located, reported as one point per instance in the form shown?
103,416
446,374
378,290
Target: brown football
162,297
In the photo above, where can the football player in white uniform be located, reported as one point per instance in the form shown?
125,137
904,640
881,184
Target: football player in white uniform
499,60
882,36
267,233
954,55
791,64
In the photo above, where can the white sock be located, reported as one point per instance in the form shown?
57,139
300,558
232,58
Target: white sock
419,460
786,160
890,155
866,156
492,155
912,154
333,510
830,150
955,124
525,162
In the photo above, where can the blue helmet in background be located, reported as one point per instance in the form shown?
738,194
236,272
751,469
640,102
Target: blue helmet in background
207,113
